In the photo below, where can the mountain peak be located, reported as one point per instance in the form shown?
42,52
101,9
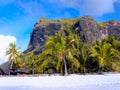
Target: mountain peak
88,28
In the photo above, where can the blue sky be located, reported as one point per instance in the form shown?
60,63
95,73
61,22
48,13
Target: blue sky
17,17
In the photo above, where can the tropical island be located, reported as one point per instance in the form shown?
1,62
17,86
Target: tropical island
59,45
67,46
69,54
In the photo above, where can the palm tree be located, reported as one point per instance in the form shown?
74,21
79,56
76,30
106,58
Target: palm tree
13,54
84,56
82,52
115,52
30,61
102,50
106,54
113,41
59,47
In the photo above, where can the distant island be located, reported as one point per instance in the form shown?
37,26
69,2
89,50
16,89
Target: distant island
66,46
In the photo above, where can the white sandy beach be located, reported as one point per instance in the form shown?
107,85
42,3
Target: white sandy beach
71,82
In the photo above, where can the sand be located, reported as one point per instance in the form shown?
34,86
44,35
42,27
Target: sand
70,82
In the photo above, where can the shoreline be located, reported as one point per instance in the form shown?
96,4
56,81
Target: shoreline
42,75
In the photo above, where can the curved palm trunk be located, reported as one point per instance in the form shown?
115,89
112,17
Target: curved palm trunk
84,70
11,65
43,70
33,69
65,67
100,70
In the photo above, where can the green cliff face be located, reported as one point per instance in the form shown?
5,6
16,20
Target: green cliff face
87,27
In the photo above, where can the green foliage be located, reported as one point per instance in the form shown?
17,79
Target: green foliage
102,24
108,55
68,20
30,62
14,56
66,49
64,21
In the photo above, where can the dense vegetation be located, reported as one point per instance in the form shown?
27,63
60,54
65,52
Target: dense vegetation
14,56
66,53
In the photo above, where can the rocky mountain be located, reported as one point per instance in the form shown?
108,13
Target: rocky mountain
88,28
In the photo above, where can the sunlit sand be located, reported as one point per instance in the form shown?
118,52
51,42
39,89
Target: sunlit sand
70,82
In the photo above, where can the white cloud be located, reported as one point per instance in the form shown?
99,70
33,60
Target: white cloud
92,7
98,7
61,4
4,44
